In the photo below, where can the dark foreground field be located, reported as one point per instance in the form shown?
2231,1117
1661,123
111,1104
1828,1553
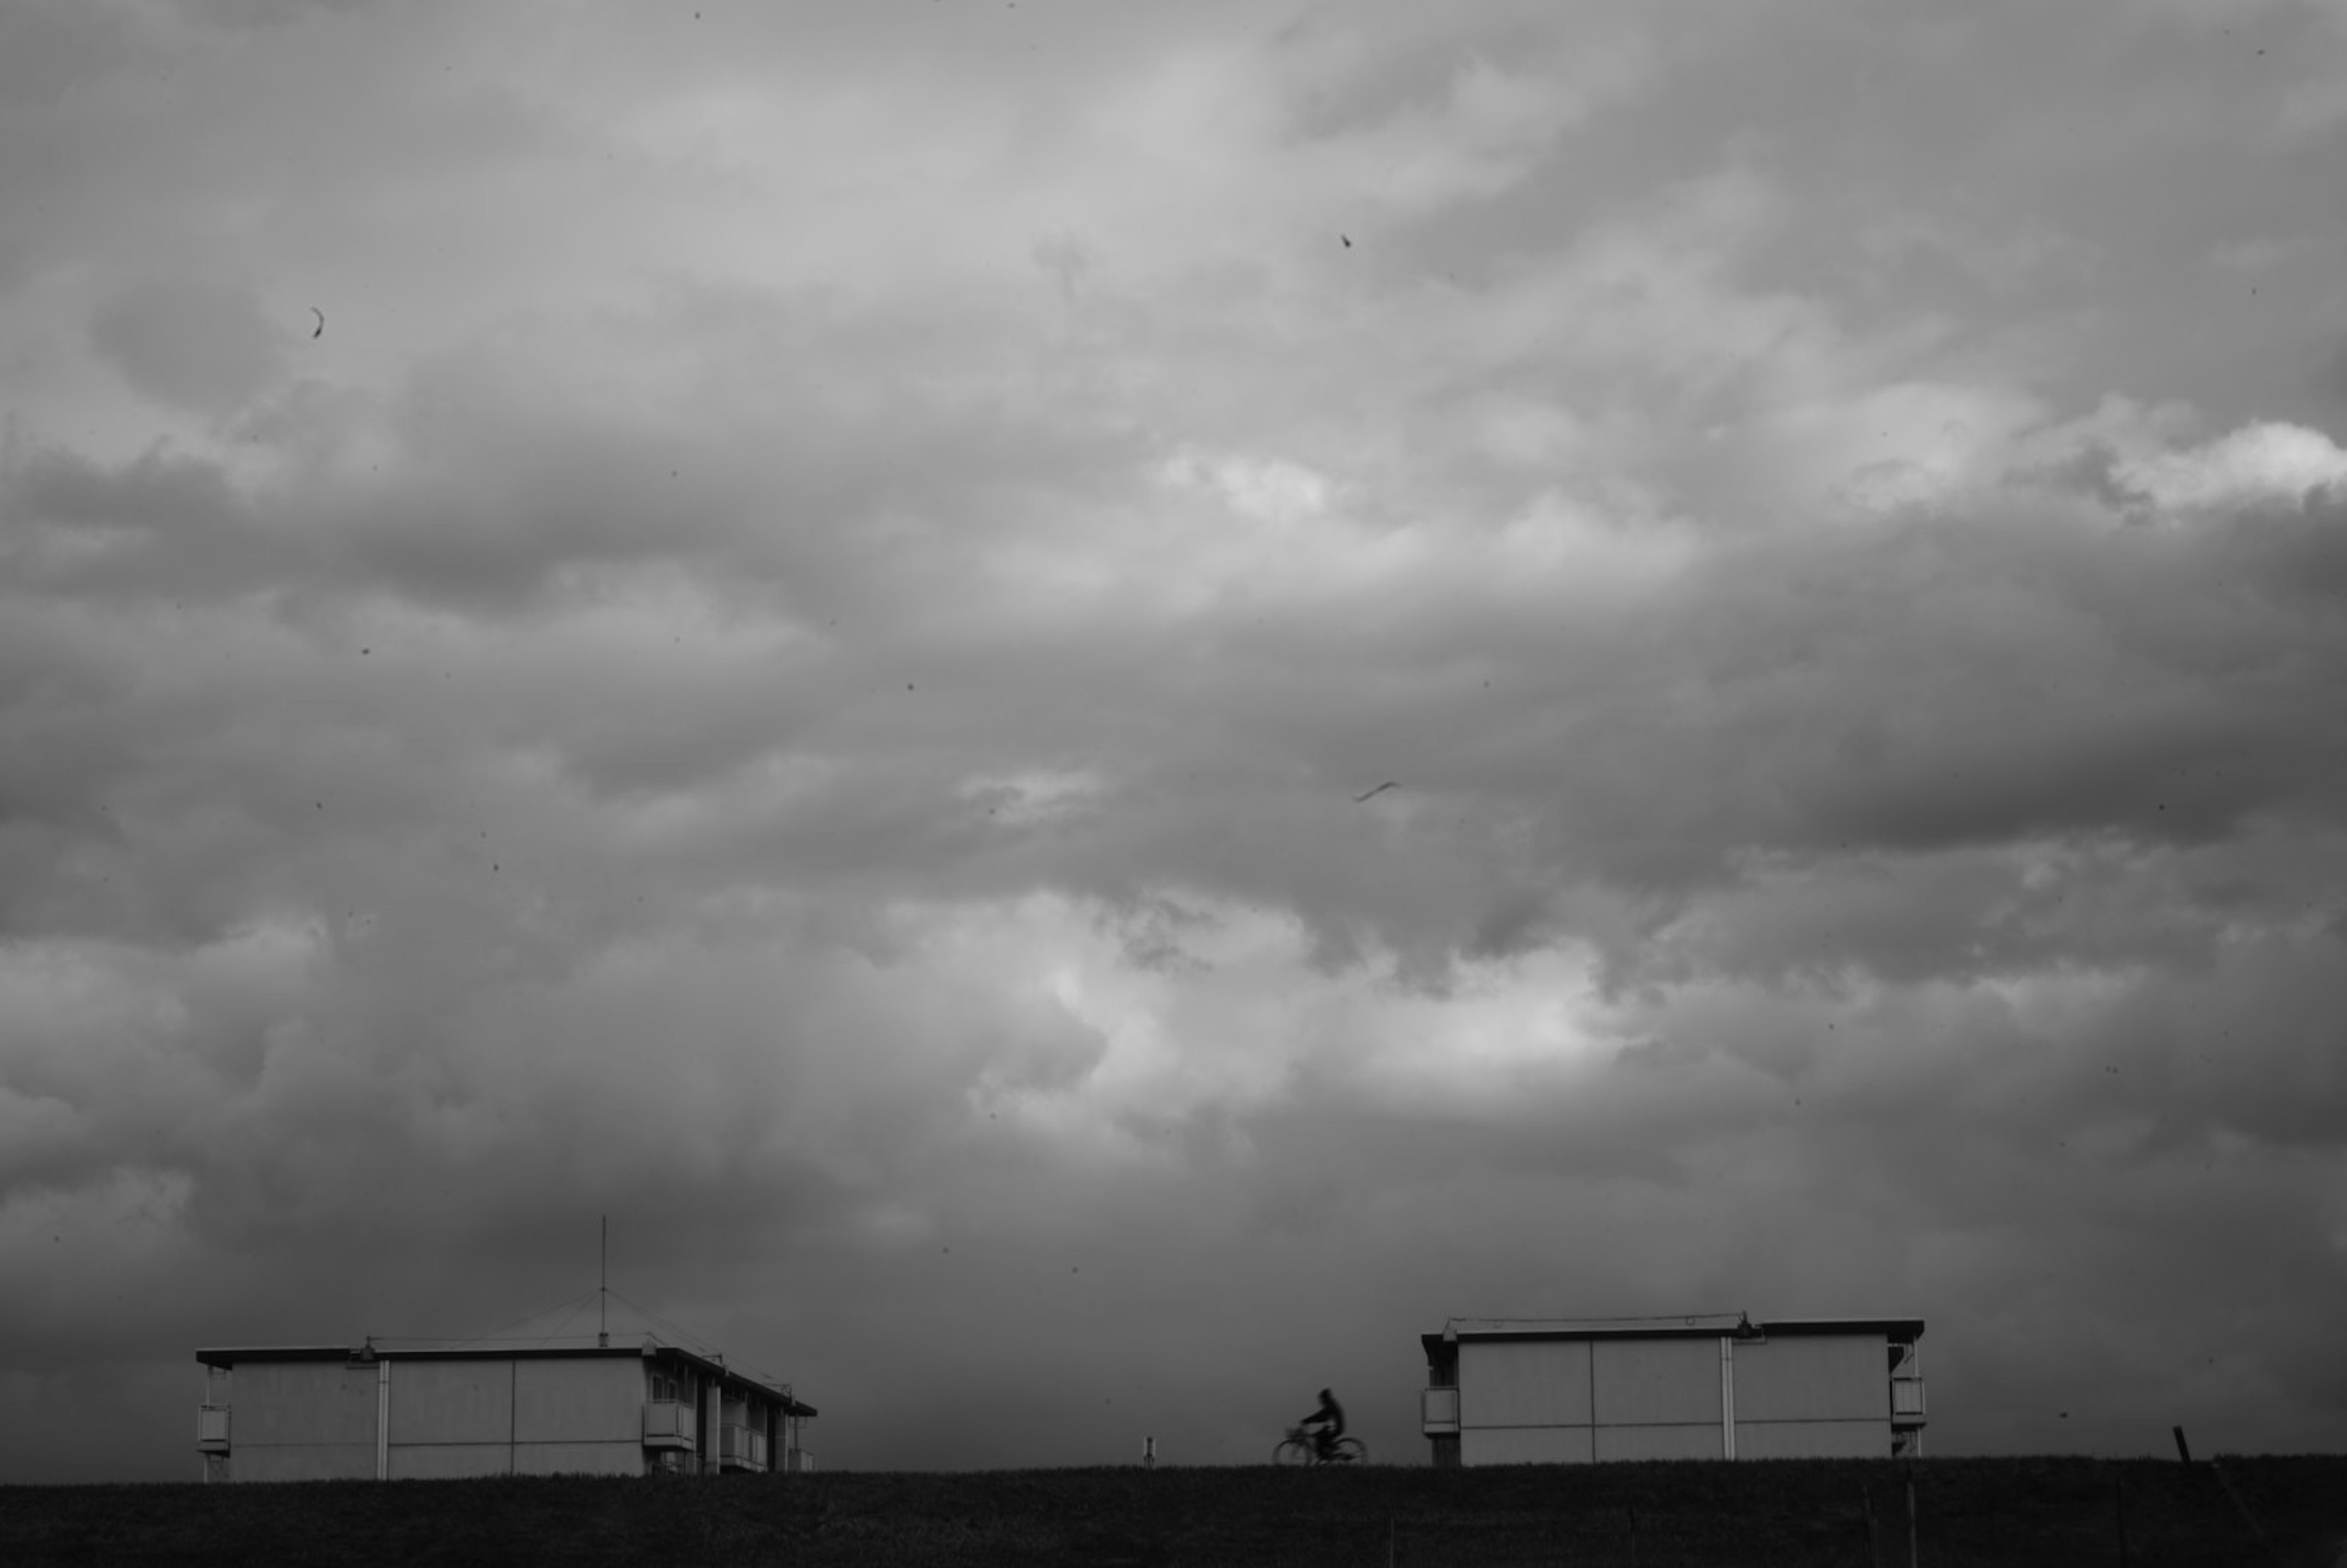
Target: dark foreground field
2008,1512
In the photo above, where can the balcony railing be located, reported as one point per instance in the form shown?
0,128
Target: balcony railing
743,1445
212,1426
1438,1409
668,1424
1907,1401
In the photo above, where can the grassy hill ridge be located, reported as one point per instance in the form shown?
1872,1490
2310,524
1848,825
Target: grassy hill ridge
2013,1512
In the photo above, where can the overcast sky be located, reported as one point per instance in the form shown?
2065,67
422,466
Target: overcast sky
792,664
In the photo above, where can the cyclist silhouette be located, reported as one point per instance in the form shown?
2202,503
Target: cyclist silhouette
1326,1424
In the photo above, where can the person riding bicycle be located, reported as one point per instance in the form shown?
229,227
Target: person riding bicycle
1326,1424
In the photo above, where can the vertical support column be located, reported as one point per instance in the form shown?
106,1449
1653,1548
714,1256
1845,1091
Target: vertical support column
383,1420
1916,1351
712,1408
1592,1405
1726,1396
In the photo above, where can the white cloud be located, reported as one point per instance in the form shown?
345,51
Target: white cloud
1273,490
2256,464
1890,445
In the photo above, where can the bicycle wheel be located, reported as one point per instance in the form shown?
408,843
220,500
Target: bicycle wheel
1350,1450
1292,1451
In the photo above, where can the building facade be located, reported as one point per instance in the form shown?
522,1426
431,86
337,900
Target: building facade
1568,1391
644,1408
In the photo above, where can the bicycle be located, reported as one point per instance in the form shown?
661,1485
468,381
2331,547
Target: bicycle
1297,1449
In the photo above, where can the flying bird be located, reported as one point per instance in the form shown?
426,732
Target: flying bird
1347,239
1381,789
320,331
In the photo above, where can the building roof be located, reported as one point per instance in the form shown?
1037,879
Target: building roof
649,1347
1703,1325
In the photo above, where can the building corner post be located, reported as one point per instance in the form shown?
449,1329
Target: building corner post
383,1420
1726,1395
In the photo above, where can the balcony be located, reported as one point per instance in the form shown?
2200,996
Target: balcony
669,1424
1438,1410
741,1447
1907,1401
211,1429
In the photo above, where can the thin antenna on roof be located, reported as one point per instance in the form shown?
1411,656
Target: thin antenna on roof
603,1292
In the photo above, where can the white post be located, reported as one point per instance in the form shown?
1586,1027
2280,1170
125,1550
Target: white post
1726,1396
1915,1351
383,1420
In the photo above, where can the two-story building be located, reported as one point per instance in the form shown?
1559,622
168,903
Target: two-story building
1562,1391
638,1405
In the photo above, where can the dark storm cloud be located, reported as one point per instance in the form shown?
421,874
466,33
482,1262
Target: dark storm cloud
2022,672
2081,682
208,347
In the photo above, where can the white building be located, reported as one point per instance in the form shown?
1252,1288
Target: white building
637,1406
1562,1391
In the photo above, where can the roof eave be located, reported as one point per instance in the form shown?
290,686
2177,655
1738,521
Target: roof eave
1689,1327
229,1355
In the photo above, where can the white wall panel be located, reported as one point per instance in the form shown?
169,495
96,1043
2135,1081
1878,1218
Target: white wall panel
1524,1383
1809,1378
304,1461
445,1461
580,1459
1525,1445
1812,1439
1689,1441
587,1400
451,1402
305,1402
1657,1381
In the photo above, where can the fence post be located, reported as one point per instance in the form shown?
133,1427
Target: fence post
2118,1509
1873,1557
